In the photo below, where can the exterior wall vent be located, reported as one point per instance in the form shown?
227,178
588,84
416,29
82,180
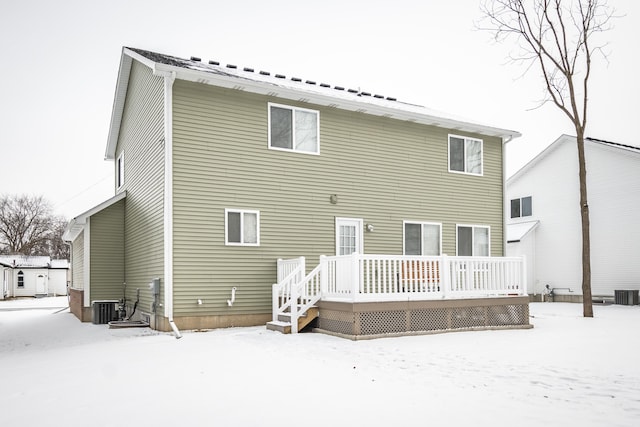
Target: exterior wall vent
104,311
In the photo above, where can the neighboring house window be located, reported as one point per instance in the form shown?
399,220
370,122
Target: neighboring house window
473,240
521,207
242,227
20,279
422,238
465,155
294,129
120,170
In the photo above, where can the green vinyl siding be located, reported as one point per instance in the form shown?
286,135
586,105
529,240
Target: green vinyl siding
142,140
382,170
77,262
107,252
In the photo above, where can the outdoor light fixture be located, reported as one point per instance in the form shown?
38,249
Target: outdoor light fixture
369,227
333,199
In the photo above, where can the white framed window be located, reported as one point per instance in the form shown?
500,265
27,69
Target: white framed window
522,207
294,129
422,238
242,227
473,240
465,155
120,171
20,279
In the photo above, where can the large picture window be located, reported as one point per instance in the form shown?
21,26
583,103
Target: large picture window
465,155
242,228
422,238
472,240
294,129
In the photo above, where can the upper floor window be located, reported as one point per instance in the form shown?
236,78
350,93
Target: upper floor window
242,227
465,155
294,129
472,240
521,207
422,238
20,279
120,170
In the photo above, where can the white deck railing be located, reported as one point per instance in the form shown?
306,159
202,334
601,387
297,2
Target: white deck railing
372,278
382,278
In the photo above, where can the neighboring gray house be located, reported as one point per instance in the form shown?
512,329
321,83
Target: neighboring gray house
222,170
28,276
544,218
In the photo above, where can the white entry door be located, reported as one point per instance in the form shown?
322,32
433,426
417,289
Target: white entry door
41,285
348,241
348,236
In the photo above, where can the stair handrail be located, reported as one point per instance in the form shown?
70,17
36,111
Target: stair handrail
282,291
309,292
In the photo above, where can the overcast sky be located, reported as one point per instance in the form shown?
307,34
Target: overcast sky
60,62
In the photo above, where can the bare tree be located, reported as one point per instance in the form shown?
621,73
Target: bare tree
558,37
27,226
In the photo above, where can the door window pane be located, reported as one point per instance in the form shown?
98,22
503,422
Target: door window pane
412,239
465,241
431,233
480,241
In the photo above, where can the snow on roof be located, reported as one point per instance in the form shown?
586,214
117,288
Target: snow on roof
25,261
516,232
278,85
59,263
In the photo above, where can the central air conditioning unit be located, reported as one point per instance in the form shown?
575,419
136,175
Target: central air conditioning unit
104,311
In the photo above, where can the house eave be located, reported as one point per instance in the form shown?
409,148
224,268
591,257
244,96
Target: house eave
293,91
76,225
338,100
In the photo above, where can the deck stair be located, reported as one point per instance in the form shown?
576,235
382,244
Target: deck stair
283,323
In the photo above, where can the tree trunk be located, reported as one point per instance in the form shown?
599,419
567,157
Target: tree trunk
587,300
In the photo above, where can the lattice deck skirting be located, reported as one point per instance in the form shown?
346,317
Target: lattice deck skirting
374,320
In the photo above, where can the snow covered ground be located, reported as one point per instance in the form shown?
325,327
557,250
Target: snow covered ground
566,371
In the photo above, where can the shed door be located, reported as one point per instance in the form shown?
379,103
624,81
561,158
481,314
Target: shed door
40,285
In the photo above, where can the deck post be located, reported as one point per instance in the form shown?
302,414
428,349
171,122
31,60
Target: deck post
324,276
355,275
294,308
524,276
445,277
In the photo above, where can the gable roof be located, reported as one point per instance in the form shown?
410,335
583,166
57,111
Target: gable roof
25,261
277,85
562,139
76,225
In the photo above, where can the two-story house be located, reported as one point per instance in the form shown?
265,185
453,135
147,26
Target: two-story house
543,219
222,170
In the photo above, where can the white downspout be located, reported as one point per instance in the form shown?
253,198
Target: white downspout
169,78
504,194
